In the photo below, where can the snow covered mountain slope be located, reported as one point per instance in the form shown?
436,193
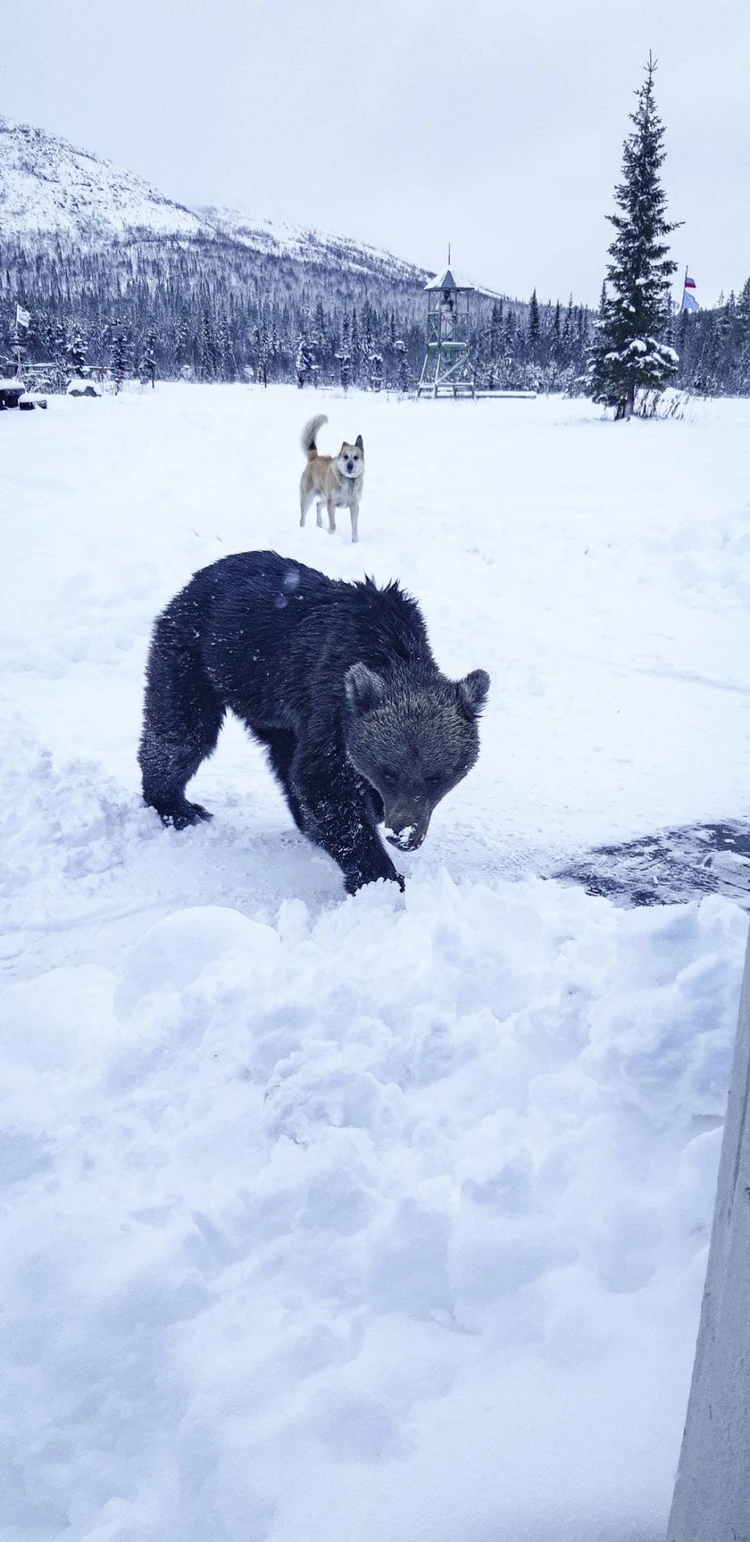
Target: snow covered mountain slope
311,246
48,187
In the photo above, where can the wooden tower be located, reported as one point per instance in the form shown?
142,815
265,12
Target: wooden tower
447,369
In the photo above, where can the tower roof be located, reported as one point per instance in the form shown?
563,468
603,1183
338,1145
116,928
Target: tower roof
453,278
450,279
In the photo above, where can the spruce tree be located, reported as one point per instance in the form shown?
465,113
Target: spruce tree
629,353
262,352
403,364
183,349
148,359
227,360
375,369
303,363
355,346
76,351
119,356
557,352
743,341
344,355
60,344
207,348
534,328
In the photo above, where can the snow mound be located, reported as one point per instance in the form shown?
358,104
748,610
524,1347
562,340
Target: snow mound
78,387
714,559
390,1196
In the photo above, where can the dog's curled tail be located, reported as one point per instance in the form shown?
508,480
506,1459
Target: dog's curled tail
310,433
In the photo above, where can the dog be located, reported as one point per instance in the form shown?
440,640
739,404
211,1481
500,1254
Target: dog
335,480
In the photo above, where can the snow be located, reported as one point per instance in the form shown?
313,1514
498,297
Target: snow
279,238
342,1219
458,278
82,387
48,186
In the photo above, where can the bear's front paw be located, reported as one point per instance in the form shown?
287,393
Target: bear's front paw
355,881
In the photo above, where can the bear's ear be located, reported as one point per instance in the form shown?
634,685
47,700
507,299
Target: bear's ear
364,689
359,444
472,692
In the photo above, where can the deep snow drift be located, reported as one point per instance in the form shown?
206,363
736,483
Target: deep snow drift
340,1220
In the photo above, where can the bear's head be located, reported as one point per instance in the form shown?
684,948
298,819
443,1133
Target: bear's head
412,738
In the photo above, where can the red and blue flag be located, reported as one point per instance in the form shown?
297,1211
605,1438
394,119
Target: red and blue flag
689,302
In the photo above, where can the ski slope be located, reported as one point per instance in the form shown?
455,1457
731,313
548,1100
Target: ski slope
335,1220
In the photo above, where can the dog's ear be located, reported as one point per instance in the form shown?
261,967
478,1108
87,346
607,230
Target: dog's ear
359,444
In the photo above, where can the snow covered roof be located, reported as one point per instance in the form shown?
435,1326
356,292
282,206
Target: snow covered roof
454,278
450,279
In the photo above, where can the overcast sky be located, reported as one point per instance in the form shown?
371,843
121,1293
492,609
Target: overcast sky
407,123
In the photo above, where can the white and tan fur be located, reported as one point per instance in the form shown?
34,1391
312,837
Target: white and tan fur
335,480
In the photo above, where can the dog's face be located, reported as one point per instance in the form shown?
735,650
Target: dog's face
350,461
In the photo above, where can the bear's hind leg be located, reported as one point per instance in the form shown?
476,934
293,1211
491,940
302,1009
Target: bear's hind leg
181,721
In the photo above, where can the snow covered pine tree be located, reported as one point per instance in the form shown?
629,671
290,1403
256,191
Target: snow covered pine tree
629,353
148,359
76,351
119,356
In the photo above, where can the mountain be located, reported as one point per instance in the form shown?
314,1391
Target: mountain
104,263
310,246
48,187
114,275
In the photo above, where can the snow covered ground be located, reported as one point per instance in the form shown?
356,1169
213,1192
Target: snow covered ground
333,1220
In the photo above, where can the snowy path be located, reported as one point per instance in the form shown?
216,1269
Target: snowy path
335,1220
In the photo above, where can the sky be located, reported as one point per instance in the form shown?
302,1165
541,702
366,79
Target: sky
496,125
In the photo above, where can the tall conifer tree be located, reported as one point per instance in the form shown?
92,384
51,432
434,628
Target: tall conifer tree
629,352
76,351
534,328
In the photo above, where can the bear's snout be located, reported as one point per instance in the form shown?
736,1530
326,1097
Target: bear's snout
406,828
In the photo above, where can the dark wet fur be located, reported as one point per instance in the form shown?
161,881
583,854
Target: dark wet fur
276,643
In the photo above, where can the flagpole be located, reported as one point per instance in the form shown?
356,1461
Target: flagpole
23,317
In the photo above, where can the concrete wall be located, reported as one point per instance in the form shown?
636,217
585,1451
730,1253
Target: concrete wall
712,1494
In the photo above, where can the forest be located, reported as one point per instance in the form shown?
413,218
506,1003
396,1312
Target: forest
172,308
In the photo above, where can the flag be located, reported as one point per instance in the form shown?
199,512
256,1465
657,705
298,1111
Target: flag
22,317
689,302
